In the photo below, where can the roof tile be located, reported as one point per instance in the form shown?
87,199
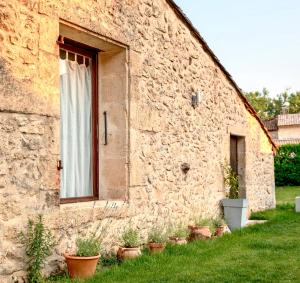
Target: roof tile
287,141
289,119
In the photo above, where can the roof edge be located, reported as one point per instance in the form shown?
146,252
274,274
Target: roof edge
206,48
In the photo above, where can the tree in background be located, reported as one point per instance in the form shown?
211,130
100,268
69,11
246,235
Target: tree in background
294,101
261,102
268,107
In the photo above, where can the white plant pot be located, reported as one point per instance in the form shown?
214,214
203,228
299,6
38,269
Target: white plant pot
297,204
235,213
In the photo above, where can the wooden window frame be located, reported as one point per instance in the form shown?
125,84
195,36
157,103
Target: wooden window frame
92,53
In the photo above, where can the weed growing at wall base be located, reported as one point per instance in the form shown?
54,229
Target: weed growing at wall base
38,242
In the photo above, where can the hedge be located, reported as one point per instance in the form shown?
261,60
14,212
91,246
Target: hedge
287,165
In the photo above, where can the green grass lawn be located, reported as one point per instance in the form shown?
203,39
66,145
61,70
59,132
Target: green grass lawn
286,194
261,253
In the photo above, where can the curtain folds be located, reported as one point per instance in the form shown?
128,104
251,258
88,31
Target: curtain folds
76,129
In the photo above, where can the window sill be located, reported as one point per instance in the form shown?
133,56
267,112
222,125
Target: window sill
108,204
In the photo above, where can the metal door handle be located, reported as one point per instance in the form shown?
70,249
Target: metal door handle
105,128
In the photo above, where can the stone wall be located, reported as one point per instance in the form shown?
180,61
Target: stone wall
166,66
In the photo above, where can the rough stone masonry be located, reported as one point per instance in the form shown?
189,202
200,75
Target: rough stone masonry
165,64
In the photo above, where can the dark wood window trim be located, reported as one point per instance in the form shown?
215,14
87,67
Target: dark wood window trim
92,53
234,162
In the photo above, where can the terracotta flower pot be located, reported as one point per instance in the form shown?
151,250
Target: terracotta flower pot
177,241
128,253
199,232
156,247
220,231
81,267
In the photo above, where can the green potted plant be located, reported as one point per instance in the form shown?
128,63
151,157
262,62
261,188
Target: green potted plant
235,208
130,245
157,240
201,229
179,235
219,226
83,263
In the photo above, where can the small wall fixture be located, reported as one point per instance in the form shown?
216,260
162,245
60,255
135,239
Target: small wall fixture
185,167
196,99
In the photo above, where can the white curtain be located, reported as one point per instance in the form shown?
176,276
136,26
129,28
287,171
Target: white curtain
76,142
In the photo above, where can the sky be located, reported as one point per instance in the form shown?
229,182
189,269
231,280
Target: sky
257,41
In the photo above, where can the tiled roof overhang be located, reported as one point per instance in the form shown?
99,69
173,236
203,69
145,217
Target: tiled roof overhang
271,125
195,32
287,141
289,119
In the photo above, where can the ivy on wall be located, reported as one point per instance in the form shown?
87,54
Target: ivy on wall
287,165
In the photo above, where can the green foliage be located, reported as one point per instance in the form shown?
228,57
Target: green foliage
38,242
88,247
261,102
201,222
218,222
130,238
157,235
180,232
206,222
268,107
258,216
294,101
109,260
231,180
287,165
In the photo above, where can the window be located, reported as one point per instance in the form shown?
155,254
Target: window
79,121
97,166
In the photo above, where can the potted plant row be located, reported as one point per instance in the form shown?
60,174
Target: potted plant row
82,263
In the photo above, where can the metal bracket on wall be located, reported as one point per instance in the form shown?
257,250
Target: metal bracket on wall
105,128
59,165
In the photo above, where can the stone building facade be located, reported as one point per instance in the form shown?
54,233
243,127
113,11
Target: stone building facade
152,61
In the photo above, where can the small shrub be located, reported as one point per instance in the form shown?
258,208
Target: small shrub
231,180
218,222
203,222
38,242
88,247
130,238
156,235
180,232
287,165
